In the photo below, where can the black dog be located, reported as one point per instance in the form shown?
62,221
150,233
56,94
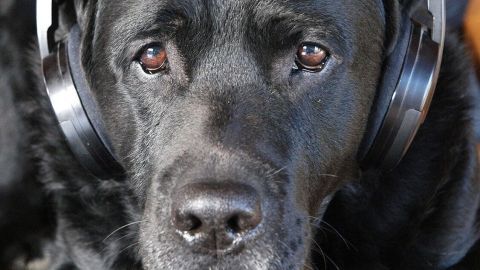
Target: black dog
242,154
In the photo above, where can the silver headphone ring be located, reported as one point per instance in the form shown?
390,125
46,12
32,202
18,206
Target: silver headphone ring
410,101
79,132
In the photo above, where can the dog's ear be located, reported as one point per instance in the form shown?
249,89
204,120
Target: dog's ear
393,19
81,11
72,12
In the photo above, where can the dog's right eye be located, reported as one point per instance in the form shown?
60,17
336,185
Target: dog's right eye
153,58
311,57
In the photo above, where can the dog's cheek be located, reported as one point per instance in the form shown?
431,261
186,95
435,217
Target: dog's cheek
292,233
154,228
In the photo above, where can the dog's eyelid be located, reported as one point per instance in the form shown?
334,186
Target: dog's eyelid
137,44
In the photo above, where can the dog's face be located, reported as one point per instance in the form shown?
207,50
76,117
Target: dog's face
235,119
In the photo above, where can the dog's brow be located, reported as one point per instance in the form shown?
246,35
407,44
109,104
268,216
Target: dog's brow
175,13
293,24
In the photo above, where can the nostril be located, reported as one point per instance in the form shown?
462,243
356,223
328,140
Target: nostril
187,223
243,222
194,223
216,216
233,224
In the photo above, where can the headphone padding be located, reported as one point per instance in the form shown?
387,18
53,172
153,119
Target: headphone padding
391,71
83,88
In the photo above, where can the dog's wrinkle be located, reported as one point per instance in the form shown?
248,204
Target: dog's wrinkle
219,164
234,117
222,112
283,26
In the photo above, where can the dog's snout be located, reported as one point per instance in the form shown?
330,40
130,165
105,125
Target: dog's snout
216,216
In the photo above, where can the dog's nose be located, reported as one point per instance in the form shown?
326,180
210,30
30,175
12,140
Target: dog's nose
216,216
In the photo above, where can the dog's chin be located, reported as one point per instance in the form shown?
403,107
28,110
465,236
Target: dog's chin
250,262
227,266
264,254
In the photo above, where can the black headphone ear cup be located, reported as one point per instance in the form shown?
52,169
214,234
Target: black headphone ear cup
391,71
83,89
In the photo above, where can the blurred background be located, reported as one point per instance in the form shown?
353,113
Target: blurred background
472,28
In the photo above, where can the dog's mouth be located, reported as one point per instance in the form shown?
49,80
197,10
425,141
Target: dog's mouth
216,208
218,243
223,224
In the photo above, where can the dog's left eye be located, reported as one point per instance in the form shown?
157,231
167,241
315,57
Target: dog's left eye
153,59
311,57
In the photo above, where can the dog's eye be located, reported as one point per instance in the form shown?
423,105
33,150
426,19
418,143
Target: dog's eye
311,57
153,58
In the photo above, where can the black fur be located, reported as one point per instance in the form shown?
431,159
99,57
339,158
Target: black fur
230,108
25,218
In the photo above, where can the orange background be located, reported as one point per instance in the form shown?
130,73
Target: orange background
472,27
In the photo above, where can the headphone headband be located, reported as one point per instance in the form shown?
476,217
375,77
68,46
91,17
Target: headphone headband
416,79
69,95
437,9
44,12
413,92
45,21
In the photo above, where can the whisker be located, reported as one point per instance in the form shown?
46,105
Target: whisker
277,172
329,175
347,243
117,240
285,245
121,228
334,264
129,246
291,251
324,255
306,266
321,251
332,229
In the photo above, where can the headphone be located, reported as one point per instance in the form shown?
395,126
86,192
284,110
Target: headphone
401,104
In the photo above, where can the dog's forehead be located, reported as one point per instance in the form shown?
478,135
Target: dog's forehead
231,16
